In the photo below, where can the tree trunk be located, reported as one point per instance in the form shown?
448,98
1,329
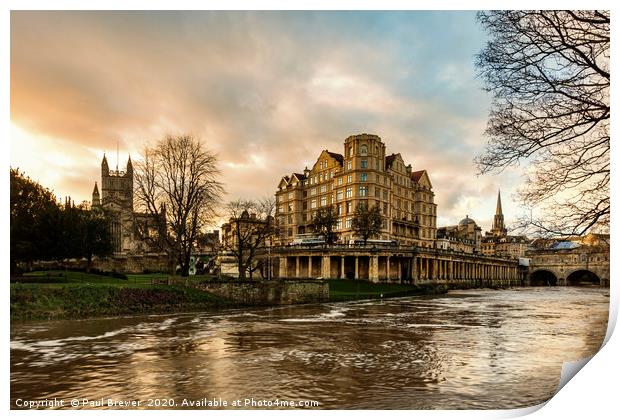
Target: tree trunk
185,264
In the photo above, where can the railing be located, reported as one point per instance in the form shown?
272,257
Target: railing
380,248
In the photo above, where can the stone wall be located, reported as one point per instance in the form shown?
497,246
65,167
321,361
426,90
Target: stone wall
134,264
275,292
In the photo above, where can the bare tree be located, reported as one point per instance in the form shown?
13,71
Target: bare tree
251,224
177,183
549,75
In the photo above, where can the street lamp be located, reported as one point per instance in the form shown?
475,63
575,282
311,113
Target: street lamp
268,243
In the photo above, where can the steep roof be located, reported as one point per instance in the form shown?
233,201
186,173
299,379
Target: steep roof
299,176
389,160
417,175
336,156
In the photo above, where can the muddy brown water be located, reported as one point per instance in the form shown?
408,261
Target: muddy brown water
466,350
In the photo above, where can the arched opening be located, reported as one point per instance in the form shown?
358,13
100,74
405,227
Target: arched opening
583,278
543,278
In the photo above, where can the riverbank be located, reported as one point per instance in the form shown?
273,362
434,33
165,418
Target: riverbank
348,290
74,301
76,295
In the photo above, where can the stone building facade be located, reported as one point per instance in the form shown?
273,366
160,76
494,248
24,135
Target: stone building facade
362,175
498,242
465,237
128,227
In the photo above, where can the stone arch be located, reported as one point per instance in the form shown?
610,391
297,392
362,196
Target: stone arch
583,277
542,277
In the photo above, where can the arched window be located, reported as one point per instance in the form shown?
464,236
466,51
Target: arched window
363,150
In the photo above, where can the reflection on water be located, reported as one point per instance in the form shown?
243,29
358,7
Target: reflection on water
468,349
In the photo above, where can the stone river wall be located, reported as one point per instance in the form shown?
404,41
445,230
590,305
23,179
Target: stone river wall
275,292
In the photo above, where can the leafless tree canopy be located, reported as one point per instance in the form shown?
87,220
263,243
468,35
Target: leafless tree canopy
548,72
177,182
251,225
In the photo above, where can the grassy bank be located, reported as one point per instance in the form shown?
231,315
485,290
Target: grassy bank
51,295
72,295
342,290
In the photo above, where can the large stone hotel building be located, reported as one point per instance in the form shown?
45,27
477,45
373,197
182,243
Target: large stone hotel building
363,175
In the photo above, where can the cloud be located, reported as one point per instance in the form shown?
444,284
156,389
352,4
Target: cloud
267,91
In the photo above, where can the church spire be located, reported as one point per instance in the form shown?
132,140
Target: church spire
498,221
498,208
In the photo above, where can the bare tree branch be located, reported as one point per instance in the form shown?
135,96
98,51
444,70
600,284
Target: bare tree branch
548,72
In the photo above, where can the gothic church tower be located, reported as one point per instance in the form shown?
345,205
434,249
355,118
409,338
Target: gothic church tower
498,221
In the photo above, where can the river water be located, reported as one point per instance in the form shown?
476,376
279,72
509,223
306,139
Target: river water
469,349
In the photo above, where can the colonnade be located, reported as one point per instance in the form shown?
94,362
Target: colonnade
395,268
449,269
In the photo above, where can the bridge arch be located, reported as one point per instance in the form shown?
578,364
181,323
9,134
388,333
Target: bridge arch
543,278
583,277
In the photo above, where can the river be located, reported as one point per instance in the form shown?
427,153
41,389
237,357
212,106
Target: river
476,349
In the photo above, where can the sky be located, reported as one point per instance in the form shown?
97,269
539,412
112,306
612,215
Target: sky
266,91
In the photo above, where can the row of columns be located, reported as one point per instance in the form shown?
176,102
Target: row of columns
440,269
398,268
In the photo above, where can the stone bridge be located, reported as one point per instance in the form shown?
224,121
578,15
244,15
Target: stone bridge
585,265
394,264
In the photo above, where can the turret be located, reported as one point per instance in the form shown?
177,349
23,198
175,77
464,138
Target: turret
96,202
129,170
105,169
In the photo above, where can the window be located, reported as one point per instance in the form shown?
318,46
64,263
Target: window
313,191
385,195
339,209
281,209
349,192
364,164
321,178
349,207
347,223
377,192
350,151
290,195
290,207
290,219
323,201
320,165
340,181
338,224
349,178
313,204
363,178
349,164
363,191
323,188
363,150
340,194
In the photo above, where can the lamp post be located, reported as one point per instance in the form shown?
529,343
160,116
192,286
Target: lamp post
268,243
